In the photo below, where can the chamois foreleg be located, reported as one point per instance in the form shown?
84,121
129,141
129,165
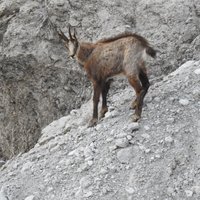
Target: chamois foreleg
105,89
97,91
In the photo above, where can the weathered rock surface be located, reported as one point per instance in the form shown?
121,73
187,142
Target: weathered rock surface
161,161
40,84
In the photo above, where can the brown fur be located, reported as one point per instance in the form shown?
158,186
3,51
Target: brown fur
122,54
143,41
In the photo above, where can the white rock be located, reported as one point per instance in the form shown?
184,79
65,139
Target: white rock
88,194
121,135
122,142
129,137
88,152
49,189
124,155
3,194
196,189
108,114
170,119
169,139
85,182
146,128
90,162
31,197
74,112
131,127
113,147
147,150
197,71
188,193
83,167
109,139
145,135
27,166
112,132
184,102
74,153
157,156
79,194
129,190
105,190
103,171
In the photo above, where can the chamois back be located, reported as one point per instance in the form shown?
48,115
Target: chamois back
143,41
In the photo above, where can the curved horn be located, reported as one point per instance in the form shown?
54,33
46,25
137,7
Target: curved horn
70,35
62,35
74,35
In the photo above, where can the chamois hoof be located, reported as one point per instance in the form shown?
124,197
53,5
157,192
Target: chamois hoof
103,112
136,117
93,122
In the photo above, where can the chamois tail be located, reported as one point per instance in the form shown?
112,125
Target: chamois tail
150,51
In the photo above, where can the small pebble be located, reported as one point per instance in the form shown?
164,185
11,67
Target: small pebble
109,139
122,142
146,128
188,193
112,148
147,150
169,139
121,135
197,71
129,137
129,190
124,155
132,127
171,119
31,197
85,182
103,171
196,189
90,163
27,166
88,194
157,156
184,102
145,135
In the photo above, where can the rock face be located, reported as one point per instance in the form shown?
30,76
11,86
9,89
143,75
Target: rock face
40,84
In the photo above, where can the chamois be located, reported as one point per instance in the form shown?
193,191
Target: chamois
123,54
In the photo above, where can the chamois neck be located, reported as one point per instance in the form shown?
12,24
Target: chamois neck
83,52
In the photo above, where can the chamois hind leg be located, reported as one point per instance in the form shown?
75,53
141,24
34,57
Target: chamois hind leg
145,86
96,96
134,104
105,89
135,83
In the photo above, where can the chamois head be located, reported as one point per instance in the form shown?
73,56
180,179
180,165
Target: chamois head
71,43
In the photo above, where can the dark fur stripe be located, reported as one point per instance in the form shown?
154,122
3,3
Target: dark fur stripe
143,41
150,51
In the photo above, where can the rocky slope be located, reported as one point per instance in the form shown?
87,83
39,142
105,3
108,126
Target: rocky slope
157,158
39,84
